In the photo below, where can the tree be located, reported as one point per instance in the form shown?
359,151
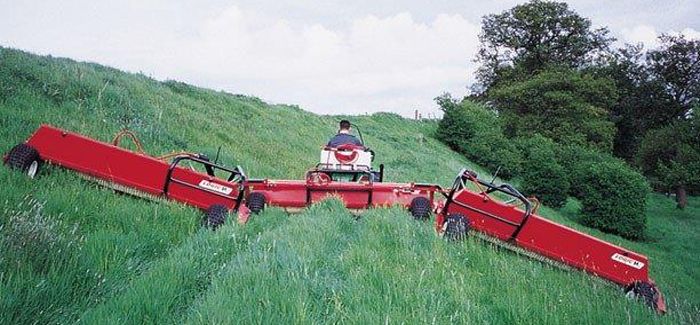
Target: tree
656,88
562,104
642,99
531,36
670,157
676,64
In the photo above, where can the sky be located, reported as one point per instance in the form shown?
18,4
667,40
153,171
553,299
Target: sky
328,57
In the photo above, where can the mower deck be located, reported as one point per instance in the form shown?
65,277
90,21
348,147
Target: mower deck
138,171
463,209
355,195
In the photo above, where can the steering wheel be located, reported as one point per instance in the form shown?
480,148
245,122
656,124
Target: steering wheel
319,178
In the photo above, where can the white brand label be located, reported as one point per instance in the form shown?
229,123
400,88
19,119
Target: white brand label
215,187
627,261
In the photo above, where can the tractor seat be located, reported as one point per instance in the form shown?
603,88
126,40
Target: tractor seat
346,157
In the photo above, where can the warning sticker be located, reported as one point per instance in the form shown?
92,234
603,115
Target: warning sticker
627,261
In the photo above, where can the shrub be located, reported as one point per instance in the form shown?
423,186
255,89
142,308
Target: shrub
476,132
613,198
612,194
576,160
542,175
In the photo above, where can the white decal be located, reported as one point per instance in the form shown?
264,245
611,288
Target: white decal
627,261
215,187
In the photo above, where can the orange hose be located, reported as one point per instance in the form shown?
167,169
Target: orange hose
134,139
139,147
486,196
176,153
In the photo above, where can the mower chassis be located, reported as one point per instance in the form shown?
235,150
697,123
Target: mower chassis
293,195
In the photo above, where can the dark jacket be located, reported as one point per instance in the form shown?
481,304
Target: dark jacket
343,138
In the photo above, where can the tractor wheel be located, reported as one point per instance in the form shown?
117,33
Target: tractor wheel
420,208
643,290
215,216
24,158
256,202
456,227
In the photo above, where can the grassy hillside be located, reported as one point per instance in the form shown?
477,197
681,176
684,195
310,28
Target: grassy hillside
72,251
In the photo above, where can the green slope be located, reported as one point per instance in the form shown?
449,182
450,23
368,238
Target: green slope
74,251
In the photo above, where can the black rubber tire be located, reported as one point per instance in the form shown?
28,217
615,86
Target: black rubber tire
256,202
215,216
456,227
645,291
21,157
420,208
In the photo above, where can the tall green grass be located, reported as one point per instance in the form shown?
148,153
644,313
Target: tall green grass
173,282
63,249
72,251
326,267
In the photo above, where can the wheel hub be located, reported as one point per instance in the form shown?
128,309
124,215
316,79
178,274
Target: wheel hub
33,168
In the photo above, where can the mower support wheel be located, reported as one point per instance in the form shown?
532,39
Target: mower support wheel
456,227
25,158
645,291
256,202
420,208
215,216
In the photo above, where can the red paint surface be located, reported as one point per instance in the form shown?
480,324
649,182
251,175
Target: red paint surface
548,238
124,167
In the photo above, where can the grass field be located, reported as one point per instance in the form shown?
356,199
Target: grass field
71,251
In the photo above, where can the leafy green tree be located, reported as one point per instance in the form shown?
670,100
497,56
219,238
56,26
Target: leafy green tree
564,105
670,157
676,64
656,88
613,197
642,98
531,36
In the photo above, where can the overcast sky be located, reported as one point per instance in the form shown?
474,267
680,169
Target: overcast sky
325,56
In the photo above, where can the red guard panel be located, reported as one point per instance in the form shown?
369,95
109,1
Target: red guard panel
128,168
355,195
550,239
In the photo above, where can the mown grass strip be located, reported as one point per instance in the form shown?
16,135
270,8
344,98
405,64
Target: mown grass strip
286,277
171,283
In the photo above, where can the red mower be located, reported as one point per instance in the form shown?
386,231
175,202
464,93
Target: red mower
136,172
501,214
498,213
344,172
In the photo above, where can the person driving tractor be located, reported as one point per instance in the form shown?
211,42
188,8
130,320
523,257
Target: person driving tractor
344,136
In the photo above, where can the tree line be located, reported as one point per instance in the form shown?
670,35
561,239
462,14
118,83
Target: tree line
550,83
545,70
